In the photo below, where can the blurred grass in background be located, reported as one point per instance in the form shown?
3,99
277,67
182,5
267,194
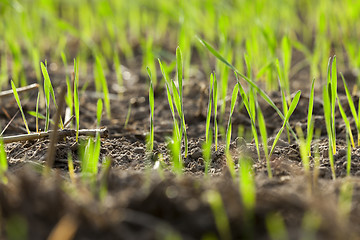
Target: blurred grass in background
34,30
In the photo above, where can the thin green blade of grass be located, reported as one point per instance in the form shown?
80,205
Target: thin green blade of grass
221,220
17,98
251,115
333,95
327,115
47,94
215,101
76,98
3,163
175,148
151,105
232,107
310,124
37,112
304,154
247,184
104,85
276,227
99,110
347,123
292,107
208,115
348,156
206,147
249,81
179,71
352,108
263,133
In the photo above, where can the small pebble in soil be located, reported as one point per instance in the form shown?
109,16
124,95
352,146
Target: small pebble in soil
139,150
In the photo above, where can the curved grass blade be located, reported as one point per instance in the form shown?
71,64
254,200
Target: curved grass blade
352,107
232,107
151,103
263,133
76,98
292,107
16,95
208,116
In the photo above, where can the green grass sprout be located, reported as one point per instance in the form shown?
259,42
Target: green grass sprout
49,93
310,121
250,108
247,184
208,115
37,112
353,110
151,103
292,107
221,220
76,97
99,111
232,108
179,71
263,133
276,227
102,84
215,102
17,98
249,81
3,163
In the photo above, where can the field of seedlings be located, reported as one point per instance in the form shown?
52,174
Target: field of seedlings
171,119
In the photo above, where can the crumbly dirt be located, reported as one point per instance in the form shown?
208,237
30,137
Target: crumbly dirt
143,203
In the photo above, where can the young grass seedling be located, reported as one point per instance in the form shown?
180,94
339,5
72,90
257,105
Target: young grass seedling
49,92
310,122
329,99
180,108
99,110
101,81
208,116
175,149
310,225
221,220
3,163
208,136
249,81
352,108
215,101
16,95
345,200
263,133
229,126
250,108
229,159
90,159
247,184
76,98
348,156
276,227
151,103
175,142
287,117
37,112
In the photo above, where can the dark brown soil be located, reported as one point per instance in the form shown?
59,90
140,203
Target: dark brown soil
142,203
